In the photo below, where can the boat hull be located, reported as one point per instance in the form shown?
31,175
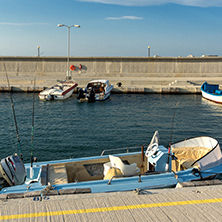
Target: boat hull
56,93
95,90
91,172
155,181
211,92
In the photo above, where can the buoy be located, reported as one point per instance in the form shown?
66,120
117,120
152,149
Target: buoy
72,67
80,66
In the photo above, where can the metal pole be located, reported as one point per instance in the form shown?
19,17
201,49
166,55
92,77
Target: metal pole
68,72
38,51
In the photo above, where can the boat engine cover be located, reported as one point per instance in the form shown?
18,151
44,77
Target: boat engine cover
12,170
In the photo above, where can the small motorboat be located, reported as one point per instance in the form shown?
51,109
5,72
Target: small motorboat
96,90
211,92
151,166
60,91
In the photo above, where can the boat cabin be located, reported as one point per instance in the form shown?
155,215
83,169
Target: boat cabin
99,87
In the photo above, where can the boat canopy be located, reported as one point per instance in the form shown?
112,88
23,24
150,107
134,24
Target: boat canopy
206,150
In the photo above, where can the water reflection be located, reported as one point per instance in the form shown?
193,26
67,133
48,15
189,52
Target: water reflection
215,108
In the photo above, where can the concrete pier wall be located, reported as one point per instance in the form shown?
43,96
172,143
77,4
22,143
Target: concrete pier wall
138,72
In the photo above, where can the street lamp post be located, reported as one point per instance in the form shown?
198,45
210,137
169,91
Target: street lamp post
148,51
68,76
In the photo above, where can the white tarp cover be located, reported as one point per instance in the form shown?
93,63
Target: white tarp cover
212,158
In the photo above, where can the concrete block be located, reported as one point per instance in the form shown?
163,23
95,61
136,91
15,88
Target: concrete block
184,184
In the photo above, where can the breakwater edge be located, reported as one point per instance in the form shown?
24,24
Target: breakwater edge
136,74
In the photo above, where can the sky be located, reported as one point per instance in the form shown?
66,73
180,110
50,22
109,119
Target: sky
123,28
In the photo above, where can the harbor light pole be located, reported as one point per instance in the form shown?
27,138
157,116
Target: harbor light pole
148,51
68,76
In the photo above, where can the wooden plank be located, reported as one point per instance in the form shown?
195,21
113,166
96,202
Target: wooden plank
32,194
83,190
15,195
49,192
67,191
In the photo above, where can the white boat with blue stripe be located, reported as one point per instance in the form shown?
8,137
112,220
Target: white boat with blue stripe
211,92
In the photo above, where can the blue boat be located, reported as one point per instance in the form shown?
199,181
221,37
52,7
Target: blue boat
211,92
146,167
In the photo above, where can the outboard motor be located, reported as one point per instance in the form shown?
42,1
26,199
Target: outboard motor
91,94
12,171
81,94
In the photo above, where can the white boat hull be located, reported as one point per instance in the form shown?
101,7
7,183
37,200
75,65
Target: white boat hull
214,98
96,90
60,91
103,96
211,92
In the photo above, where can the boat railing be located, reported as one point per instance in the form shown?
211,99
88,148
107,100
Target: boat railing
123,148
143,174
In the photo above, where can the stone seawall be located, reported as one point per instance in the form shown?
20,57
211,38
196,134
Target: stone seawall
137,74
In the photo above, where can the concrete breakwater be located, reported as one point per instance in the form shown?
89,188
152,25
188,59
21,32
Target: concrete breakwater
136,74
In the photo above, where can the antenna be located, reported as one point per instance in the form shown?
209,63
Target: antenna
171,133
32,132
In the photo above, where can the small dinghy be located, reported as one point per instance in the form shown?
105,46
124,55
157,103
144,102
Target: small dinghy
145,167
96,90
60,91
211,92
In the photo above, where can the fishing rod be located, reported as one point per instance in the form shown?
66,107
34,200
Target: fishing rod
32,131
13,110
171,133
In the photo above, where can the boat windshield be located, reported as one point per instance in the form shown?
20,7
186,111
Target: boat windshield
34,175
98,86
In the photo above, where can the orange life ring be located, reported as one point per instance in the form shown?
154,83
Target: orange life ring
72,67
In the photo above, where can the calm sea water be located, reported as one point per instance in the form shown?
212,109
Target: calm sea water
65,129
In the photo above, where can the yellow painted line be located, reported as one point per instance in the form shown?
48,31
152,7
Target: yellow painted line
106,209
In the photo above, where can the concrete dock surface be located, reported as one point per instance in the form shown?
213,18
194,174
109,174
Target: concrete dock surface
203,203
129,84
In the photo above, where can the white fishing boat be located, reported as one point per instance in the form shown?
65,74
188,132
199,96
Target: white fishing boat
148,167
211,92
60,91
95,90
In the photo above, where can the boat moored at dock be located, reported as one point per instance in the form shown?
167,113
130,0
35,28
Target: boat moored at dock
211,92
95,90
60,91
191,159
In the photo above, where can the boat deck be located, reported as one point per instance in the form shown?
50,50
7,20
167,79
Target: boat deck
201,203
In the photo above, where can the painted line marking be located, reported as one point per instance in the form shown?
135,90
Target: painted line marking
106,209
